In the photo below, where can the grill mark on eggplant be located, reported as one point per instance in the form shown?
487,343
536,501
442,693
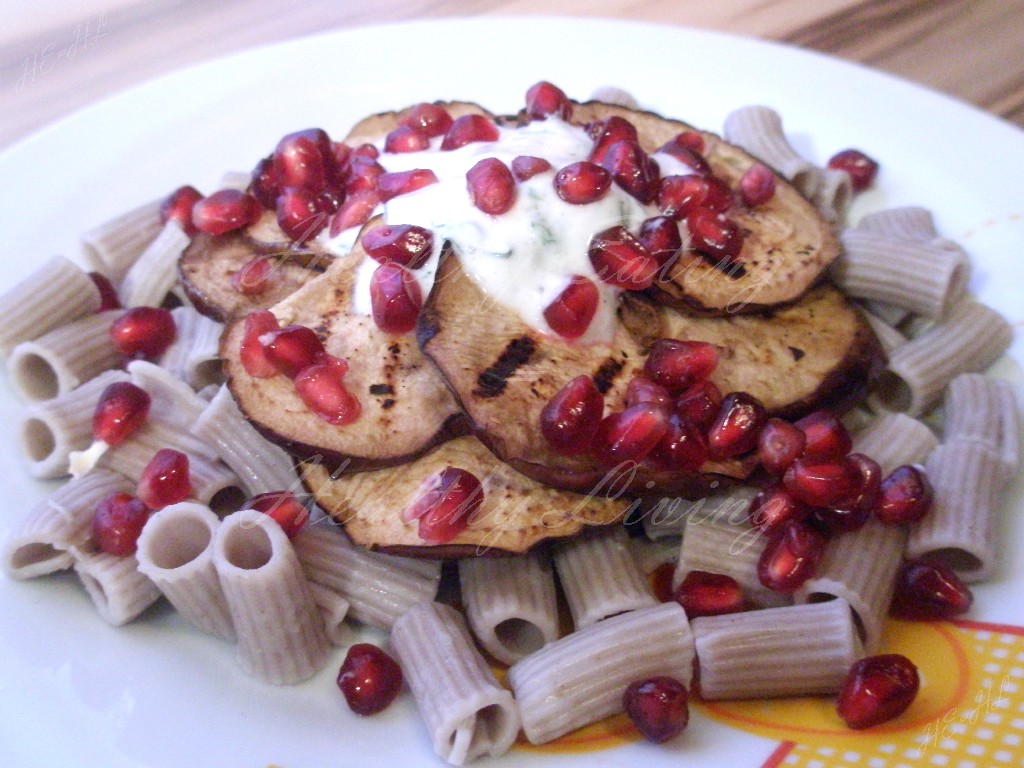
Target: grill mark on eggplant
605,375
382,389
492,380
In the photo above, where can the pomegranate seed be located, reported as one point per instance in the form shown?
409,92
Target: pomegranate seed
926,590
330,200
178,207
757,186
255,276
362,174
570,420
165,479
658,707
369,679
117,524
391,185
283,507
429,119
686,155
699,404
108,293
355,211
827,437
292,348
492,187
621,260
713,235
774,506
791,557
445,504
607,132
321,387
679,196
252,352
404,244
395,299
779,445
861,168
467,130
264,184
366,152
683,447
527,166
836,521
302,214
582,183
569,315
300,159
824,482
905,496
709,594
643,390
225,211
120,411
877,689
144,332
737,427
870,482
629,436
406,139
632,170
690,140
676,364
543,99
342,154
661,582
660,236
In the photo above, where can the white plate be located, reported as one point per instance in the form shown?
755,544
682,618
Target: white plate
74,692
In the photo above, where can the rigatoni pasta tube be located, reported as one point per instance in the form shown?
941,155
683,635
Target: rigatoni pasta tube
175,551
967,477
789,651
910,222
978,407
467,712
925,279
281,636
118,589
155,272
581,678
56,294
193,356
968,340
510,603
895,439
113,246
600,577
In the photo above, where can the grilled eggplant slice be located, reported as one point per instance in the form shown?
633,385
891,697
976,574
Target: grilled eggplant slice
517,513
406,407
503,372
788,245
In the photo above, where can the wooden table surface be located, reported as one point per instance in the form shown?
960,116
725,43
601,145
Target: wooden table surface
56,60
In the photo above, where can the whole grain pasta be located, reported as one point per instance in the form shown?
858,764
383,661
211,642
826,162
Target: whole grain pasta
113,246
154,273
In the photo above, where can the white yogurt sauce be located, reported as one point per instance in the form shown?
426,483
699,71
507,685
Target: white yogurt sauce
524,258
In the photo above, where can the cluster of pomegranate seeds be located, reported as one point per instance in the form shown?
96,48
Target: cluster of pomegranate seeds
255,277
469,129
395,298
165,480
143,332
658,707
178,208
404,244
703,593
117,523
621,260
369,679
444,504
570,314
225,211
283,507
582,182
108,293
543,99
859,167
120,411
492,187
877,689
927,590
